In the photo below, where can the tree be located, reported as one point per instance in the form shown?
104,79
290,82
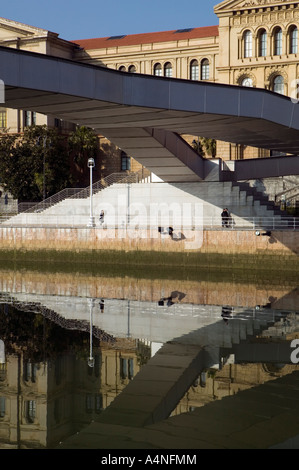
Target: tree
197,146
209,146
34,166
83,144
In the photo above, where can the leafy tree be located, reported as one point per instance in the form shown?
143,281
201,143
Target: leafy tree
39,338
209,146
83,144
37,161
204,146
197,146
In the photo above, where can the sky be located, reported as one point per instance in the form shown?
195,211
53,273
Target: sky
74,19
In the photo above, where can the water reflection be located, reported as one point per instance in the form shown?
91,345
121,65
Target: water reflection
146,356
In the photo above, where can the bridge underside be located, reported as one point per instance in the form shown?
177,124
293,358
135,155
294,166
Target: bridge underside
144,115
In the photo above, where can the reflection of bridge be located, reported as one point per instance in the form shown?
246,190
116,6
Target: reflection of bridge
139,416
144,115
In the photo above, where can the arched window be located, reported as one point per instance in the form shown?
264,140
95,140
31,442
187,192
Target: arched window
277,41
248,44
293,38
122,68
194,72
168,69
247,81
158,70
132,69
278,84
205,69
262,43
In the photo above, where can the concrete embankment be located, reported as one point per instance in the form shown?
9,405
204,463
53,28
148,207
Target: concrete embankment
219,248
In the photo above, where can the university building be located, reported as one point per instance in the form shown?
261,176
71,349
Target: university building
255,44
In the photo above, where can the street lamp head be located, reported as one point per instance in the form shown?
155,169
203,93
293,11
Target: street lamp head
90,163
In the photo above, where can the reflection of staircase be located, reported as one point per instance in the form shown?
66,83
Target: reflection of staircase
167,376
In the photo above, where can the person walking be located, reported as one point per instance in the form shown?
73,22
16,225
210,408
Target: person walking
224,217
101,218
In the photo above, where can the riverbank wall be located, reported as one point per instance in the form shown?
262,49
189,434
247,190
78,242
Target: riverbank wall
238,248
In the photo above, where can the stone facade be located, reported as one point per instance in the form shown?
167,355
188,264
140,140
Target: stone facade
255,44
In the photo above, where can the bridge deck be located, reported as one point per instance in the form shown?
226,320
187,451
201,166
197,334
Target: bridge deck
126,107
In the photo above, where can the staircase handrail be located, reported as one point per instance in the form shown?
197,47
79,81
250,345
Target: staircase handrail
79,193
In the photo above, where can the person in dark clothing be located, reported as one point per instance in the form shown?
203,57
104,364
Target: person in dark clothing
225,217
101,218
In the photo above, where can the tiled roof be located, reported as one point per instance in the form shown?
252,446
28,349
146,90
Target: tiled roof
148,38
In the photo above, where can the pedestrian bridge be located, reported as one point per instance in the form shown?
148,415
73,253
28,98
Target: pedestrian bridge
145,115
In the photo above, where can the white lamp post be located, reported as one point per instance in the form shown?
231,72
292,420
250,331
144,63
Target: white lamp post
91,165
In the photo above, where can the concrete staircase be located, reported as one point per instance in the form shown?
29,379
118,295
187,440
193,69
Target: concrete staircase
261,197
121,202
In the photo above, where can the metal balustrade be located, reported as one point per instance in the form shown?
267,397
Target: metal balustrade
83,193
136,223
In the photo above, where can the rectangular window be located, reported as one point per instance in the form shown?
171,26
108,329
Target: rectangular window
130,369
126,368
29,372
29,118
123,368
2,407
57,123
125,163
3,120
98,403
30,410
89,403
2,371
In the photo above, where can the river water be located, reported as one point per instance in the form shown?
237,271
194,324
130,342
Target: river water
135,354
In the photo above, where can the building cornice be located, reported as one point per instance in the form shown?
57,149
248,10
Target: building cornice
22,29
231,6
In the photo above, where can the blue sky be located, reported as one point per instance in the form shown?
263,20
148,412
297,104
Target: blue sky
74,19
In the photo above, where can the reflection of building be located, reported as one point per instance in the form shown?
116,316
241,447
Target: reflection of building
119,365
42,403
232,379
